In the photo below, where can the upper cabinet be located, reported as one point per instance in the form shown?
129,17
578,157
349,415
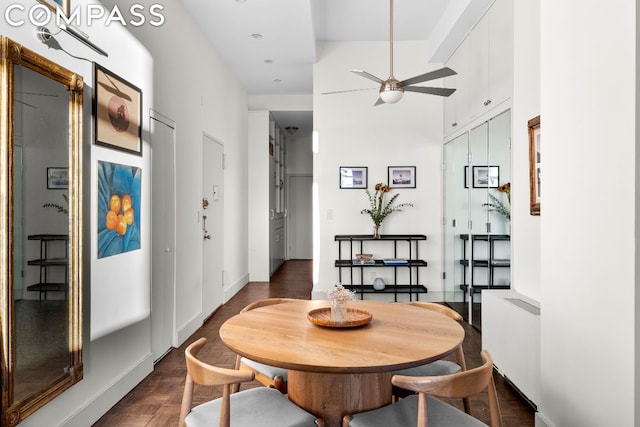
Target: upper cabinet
484,63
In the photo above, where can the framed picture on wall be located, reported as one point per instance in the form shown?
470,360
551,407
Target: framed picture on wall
64,5
534,166
482,176
119,208
402,176
353,176
118,110
57,178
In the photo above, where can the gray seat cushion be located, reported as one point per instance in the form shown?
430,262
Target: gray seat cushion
405,413
262,406
439,367
267,370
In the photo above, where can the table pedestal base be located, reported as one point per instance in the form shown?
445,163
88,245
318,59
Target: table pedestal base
331,396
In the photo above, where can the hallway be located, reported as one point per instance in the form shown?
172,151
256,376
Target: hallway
155,402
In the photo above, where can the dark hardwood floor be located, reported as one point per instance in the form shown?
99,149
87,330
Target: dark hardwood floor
156,400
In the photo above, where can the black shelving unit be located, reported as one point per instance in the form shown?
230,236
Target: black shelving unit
45,262
409,252
491,263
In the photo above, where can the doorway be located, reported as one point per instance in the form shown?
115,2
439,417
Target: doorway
212,225
163,235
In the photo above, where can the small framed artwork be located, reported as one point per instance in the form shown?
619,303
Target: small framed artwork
353,176
483,176
63,5
57,178
402,176
118,110
534,166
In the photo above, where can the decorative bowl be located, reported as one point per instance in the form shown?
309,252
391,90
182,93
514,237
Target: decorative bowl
364,257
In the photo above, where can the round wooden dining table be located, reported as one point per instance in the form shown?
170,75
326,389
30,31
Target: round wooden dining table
334,371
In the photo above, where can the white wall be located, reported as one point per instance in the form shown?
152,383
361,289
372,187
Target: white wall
589,218
258,190
352,132
299,158
161,62
187,72
525,265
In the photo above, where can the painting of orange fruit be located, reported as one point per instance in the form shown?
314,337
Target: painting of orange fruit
119,207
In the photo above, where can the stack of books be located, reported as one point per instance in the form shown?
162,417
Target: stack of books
395,261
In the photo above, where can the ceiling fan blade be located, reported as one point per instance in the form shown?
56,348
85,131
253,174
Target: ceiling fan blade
432,75
368,76
36,94
441,91
379,102
348,90
24,103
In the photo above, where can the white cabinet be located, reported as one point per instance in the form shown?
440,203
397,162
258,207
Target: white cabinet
456,106
277,244
511,333
479,96
484,63
500,52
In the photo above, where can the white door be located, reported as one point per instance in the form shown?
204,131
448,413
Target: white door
163,235
212,225
300,219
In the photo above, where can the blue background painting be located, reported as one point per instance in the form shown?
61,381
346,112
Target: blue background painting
118,179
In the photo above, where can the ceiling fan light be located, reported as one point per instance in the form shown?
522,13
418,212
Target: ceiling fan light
391,96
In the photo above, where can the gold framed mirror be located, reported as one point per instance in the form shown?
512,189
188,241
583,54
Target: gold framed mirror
40,230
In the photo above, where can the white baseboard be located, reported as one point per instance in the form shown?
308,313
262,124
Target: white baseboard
188,329
233,289
112,393
541,421
196,321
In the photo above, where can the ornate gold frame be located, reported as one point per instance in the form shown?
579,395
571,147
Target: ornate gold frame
534,173
13,54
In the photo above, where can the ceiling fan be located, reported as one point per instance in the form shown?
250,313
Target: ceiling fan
392,89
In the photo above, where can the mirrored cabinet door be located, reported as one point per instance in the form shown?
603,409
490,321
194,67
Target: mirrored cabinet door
477,231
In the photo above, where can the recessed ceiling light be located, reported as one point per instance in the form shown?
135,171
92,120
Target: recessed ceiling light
277,80
268,61
241,1
256,36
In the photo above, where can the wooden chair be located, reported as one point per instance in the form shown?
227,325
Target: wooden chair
257,406
270,376
424,410
438,367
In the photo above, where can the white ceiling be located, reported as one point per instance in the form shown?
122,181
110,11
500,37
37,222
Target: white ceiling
289,30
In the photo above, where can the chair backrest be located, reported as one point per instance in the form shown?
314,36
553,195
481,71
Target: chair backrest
265,302
452,314
458,385
440,308
199,372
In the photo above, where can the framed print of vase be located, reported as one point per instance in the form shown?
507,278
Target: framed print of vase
118,111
